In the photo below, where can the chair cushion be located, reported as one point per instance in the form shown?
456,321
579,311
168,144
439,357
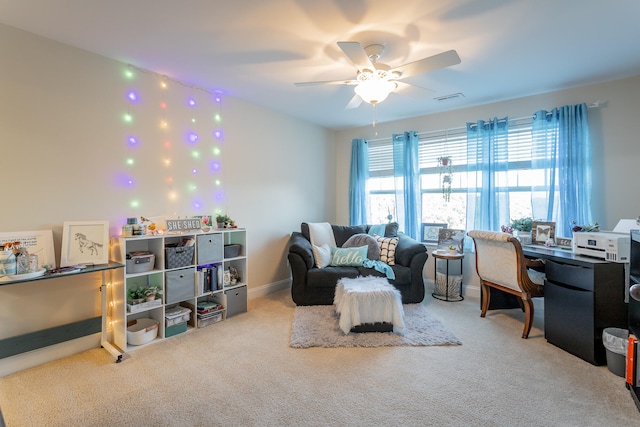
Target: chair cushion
536,277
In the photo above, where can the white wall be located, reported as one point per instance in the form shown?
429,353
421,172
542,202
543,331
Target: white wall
63,152
616,149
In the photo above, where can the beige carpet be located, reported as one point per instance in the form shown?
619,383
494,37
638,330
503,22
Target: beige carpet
242,372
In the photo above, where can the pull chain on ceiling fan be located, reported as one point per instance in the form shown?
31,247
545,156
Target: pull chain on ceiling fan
374,80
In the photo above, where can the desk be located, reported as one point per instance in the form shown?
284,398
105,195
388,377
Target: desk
582,296
455,293
22,343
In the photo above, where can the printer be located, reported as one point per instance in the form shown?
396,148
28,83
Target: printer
607,245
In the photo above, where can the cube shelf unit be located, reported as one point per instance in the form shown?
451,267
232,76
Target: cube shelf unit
180,284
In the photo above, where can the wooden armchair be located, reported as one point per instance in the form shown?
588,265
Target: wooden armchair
501,264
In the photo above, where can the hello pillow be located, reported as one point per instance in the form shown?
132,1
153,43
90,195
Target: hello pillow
348,257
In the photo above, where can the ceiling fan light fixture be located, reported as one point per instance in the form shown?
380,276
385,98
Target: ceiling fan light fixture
374,91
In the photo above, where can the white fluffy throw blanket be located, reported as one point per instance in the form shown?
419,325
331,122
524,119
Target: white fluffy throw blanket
368,300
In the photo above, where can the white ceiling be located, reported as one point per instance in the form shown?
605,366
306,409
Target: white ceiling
256,49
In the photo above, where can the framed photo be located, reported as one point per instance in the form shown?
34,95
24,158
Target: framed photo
84,242
451,237
37,243
430,231
542,231
564,242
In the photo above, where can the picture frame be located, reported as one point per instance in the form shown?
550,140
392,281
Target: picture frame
431,231
564,243
38,242
451,237
84,243
542,231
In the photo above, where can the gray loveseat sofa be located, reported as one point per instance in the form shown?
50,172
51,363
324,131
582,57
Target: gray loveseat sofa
316,286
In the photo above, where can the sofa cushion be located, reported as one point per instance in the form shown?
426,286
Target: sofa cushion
348,257
329,276
388,249
322,255
343,232
357,240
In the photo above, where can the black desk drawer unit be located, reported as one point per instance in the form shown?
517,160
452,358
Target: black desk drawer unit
579,302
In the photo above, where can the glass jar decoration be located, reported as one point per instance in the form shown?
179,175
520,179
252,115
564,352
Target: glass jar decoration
22,261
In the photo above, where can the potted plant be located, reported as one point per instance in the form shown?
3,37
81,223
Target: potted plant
137,295
223,220
452,250
522,229
151,292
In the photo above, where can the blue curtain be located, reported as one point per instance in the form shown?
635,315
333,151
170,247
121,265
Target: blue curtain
487,171
407,182
563,151
358,182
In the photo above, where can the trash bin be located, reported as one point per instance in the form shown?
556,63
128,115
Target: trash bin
615,342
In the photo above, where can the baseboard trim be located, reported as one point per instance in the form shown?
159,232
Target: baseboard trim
269,288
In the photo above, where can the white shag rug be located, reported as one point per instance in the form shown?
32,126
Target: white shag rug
317,326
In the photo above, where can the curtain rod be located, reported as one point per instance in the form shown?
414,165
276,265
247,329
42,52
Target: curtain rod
595,104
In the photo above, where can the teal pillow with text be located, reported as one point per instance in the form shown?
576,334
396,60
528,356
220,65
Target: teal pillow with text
348,257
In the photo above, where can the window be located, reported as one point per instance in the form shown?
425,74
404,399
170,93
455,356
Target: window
521,181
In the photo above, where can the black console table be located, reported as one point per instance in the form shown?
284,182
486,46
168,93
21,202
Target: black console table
582,296
22,343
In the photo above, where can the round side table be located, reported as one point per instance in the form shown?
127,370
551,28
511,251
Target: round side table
455,293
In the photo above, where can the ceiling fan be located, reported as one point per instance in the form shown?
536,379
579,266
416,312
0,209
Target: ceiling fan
375,80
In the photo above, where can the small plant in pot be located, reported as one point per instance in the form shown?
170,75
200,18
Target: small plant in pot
137,295
151,292
223,220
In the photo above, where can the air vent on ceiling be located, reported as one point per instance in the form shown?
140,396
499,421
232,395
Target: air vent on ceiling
449,97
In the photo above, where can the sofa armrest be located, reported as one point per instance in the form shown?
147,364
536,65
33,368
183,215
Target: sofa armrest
299,245
407,248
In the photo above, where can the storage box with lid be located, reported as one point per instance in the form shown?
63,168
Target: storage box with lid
140,262
176,315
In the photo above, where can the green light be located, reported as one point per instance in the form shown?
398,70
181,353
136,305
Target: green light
216,151
128,118
192,187
217,182
193,120
134,204
128,74
130,161
195,154
217,117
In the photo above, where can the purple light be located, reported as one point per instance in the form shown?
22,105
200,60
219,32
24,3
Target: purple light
215,166
197,204
219,196
217,134
130,182
133,97
218,99
133,140
193,137
191,102
194,171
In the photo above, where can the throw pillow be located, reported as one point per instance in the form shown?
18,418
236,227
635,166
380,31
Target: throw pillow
322,255
358,240
388,249
348,257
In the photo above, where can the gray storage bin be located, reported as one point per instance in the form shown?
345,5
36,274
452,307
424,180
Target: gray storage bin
179,256
209,248
236,300
232,251
180,285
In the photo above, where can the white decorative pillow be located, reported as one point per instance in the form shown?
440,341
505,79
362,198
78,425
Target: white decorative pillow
388,249
322,254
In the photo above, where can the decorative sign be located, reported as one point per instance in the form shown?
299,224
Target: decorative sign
37,243
180,225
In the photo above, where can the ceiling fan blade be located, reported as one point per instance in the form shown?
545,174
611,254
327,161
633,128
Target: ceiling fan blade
424,65
355,52
354,103
412,90
328,82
